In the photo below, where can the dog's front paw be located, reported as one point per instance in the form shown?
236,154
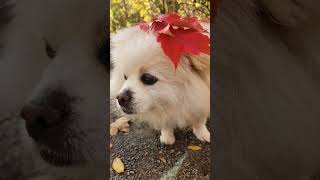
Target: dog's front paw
167,137
202,133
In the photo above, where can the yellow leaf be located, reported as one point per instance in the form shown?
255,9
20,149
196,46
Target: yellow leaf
120,124
118,165
194,148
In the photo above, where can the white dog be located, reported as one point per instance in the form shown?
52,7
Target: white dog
147,86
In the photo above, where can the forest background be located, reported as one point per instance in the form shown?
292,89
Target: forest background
126,13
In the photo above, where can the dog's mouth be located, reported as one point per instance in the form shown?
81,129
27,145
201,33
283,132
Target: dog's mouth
61,157
128,110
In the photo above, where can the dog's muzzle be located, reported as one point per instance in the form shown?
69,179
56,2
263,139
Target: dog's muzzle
125,100
48,122
46,116
39,119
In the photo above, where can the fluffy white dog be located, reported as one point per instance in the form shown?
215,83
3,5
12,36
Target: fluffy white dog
147,86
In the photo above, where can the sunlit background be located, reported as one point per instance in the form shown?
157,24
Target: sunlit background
125,13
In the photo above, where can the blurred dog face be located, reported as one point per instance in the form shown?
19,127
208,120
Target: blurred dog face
261,108
61,60
144,79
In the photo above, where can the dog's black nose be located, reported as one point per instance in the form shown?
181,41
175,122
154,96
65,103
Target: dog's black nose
39,119
124,98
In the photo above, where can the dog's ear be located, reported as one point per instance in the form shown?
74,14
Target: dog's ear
200,65
200,62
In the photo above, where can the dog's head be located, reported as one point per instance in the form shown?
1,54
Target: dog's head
144,79
64,46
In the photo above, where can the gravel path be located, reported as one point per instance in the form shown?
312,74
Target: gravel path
145,158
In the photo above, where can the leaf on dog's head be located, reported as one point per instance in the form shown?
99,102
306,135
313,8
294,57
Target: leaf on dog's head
179,35
144,25
183,41
205,20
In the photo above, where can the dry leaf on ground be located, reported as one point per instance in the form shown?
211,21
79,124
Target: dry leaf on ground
118,165
163,160
194,148
120,124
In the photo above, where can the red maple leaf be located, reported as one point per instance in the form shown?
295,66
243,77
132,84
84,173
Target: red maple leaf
189,23
144,25
176,20
183,42
205,20
178,35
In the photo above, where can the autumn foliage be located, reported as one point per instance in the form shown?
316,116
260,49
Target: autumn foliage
179,35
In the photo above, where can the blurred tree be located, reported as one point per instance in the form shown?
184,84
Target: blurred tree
125,13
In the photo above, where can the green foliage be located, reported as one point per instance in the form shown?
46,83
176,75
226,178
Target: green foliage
125,13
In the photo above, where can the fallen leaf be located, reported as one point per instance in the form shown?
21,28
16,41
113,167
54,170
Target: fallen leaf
118,165
163,159
194,148
113,130
110,145
125,130
120,124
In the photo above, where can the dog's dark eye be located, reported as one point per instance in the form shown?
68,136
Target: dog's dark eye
148,79
51,53
125,77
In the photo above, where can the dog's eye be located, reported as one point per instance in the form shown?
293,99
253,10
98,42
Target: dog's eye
125,77
51,53
148,79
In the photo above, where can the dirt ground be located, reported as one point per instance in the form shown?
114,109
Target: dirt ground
146,158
